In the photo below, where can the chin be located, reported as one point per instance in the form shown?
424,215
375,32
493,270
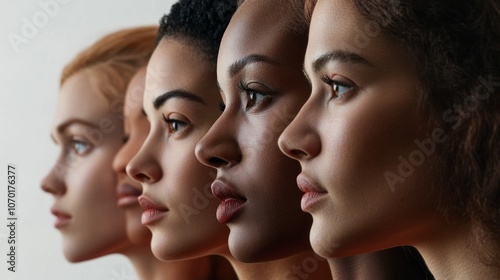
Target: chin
250,247
323,244
76,257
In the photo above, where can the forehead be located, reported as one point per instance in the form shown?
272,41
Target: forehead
336,25
176,64
256,28
335,22
78,100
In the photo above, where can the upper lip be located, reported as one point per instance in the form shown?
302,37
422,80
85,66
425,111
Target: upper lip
223,191
127,189
59,213
147,204
306,185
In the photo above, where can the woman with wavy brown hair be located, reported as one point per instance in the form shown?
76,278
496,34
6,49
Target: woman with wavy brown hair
398,141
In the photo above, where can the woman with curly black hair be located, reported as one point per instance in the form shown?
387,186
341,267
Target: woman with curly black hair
398,141
263,87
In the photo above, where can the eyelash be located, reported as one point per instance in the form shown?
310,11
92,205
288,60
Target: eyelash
75,142
335,87
171,122
256,104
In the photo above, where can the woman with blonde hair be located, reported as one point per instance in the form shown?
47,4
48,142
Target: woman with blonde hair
88,127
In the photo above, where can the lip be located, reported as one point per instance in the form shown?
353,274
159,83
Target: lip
152,211
127,195
62,218
232,201
313,193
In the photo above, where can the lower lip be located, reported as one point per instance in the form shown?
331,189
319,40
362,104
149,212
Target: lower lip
61,222
309,199
151,216
228,209
127,201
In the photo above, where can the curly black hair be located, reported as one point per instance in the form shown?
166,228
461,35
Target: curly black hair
199,22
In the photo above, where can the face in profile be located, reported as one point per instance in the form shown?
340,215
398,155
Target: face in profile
360,123
82,180
263,87
136,128
181,102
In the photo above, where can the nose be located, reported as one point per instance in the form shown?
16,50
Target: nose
53,182
145,167
300,139
122,158
219,147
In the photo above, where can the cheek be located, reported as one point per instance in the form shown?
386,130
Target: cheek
363,141
94,184
186,177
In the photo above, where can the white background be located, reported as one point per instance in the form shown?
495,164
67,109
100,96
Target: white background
28,90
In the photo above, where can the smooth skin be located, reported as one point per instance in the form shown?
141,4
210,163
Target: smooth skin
358,125
82,180
180,102
263,87
136,128
360,120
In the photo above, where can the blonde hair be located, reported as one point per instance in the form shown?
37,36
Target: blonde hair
112,61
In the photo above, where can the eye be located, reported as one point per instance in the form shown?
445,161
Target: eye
80,147
254,97
339,88
175,125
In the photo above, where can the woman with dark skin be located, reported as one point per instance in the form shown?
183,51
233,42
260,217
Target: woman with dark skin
398,141
263,88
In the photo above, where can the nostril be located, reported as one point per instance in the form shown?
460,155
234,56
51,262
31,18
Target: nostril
298,154
215,161
141,178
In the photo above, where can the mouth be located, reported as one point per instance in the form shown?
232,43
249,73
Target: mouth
312,193
232,201
127,195
152,212
62,218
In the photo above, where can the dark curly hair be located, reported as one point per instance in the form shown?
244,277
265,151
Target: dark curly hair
200,22
455,47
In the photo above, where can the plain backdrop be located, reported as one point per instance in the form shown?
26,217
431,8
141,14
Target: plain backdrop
29,73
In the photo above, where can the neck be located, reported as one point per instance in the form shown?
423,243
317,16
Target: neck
301,266
455,254
394,263
148,267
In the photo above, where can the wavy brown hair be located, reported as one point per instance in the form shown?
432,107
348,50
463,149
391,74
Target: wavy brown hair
455,48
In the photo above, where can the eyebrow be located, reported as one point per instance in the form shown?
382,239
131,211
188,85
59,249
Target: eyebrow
177,93
240,64
60,128
341,56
